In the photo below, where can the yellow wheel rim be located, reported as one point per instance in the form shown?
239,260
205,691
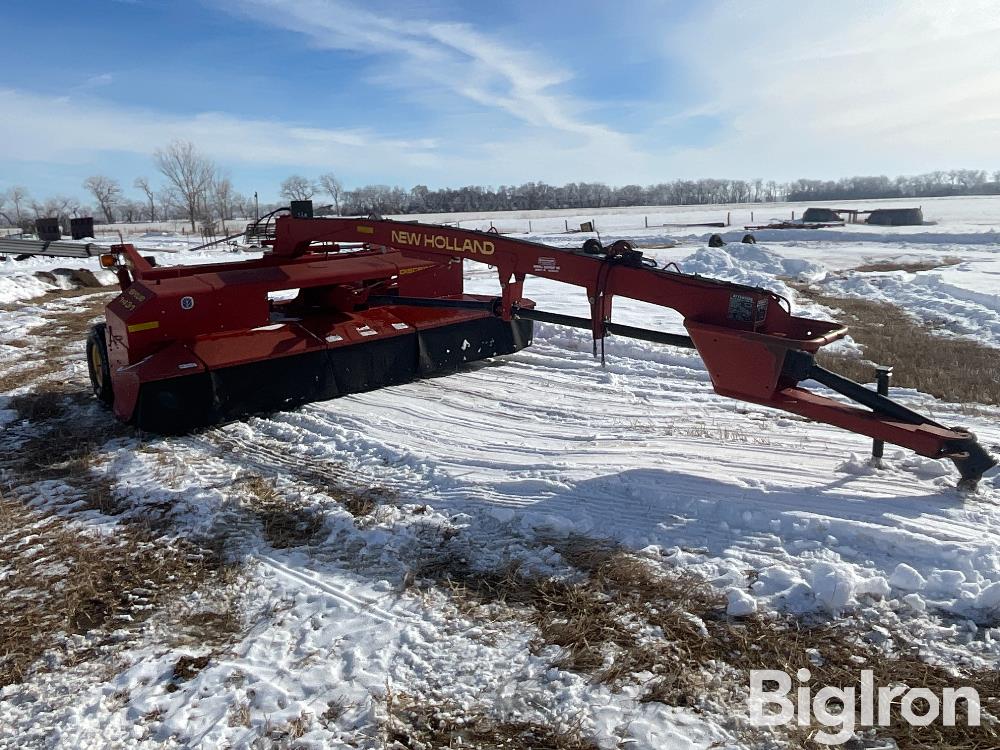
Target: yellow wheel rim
95,361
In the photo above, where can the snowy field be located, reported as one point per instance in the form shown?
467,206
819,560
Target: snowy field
506,463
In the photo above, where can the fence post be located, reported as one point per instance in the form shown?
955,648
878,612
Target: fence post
566,224
793,216
728,215
529,226
882,375
645,220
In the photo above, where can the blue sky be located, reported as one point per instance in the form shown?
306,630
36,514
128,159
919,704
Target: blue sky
440,92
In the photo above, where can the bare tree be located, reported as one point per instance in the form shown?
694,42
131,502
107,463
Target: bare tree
3,214
330,185
107,192
222,197
190,176
58,207
297,188
132,210
17,195
242,205
142,183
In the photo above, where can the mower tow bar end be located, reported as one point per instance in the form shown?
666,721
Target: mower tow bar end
765,370
971,459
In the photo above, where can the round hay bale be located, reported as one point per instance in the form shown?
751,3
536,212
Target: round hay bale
896,217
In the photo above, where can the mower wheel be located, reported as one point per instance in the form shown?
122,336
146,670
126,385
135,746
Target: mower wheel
593,246
98,365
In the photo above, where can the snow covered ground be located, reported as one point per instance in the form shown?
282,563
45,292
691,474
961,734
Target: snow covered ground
500,464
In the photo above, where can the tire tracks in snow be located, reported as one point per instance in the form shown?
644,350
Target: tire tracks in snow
315,583
543,439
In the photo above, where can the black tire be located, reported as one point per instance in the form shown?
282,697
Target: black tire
716,241
98,365
593,246
749,239
620,247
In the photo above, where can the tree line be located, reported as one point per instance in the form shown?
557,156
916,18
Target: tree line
932,184
195,189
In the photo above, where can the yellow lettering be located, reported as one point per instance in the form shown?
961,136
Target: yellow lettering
443,242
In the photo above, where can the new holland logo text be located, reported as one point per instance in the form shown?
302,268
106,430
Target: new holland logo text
441,242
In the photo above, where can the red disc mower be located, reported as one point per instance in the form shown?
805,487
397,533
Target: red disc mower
342,305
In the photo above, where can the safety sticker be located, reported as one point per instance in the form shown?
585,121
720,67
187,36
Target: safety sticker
741,308
761,309
547,265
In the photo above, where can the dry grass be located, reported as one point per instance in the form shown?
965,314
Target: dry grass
57,440
334,710
603,621
270,734
62,338
64,579
214,628
65,328
61,294
186,668
285,523
600,620
950,368
911,267
239,715
414,722
67,579
19,377
280,735
360,502
324,476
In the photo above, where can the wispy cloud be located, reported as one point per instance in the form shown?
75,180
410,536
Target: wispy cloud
82,130
455,57
852,87
69,129
535,130
95,82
